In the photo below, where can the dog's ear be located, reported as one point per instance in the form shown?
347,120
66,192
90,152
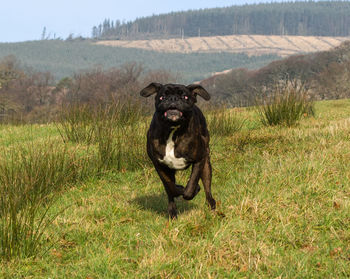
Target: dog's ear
151,89
197,89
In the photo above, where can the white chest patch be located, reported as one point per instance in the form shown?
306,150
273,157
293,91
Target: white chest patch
169,159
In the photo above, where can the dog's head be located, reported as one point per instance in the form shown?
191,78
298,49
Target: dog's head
174,102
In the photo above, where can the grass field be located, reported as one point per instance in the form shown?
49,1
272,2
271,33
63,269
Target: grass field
283,209
248,44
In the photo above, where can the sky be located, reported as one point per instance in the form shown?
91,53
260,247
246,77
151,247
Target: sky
25,20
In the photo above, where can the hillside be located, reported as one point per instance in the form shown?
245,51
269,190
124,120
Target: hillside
309,18
326,74
248,44
65,58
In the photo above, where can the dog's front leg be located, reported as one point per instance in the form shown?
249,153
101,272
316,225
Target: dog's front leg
192,187
173,190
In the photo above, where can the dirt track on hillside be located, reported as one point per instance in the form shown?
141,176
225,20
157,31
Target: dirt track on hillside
250,44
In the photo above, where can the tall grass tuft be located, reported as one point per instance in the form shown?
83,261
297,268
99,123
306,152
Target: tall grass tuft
76,123
285,105
116,129
119,136
224,122
30,180
105,127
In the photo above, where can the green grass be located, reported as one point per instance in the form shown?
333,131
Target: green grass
30,179
283,210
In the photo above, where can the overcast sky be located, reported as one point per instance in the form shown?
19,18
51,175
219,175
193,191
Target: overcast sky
23,20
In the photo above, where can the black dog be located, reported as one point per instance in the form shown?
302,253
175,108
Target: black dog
177,138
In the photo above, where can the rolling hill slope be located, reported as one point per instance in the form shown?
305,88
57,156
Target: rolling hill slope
248,44
192,58
64,58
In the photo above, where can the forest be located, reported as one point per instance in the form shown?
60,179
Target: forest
310,18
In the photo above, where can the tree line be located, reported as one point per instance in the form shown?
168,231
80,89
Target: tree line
321,18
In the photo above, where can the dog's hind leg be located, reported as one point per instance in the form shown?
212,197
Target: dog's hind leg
206,179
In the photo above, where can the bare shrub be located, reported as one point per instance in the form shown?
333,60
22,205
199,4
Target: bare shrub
99,86
22,91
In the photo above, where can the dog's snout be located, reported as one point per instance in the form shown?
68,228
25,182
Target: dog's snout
173,98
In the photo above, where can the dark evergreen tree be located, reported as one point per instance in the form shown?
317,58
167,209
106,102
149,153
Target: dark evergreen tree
322,18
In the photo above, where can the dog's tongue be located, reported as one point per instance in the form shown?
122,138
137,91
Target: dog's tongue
173,114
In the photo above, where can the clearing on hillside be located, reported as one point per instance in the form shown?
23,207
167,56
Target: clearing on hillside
249,44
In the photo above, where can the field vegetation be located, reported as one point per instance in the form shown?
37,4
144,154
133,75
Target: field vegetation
253,45
100,210
79,197
285,104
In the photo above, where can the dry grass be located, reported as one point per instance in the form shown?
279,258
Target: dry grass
250,44
283,212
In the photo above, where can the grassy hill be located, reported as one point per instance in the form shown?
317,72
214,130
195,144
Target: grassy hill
192,59
283,207
248,44
64,58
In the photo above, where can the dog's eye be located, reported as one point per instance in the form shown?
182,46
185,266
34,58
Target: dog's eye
161,98
186,97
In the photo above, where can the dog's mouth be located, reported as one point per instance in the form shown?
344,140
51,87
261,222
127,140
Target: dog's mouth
173,114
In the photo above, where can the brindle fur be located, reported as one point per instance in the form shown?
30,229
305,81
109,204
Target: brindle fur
191,140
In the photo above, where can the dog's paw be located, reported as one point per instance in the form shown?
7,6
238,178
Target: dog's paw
172,211
190,196
212,204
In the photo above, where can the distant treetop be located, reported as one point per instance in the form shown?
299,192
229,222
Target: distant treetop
322,18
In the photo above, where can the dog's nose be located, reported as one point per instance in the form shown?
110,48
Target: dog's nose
173,98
